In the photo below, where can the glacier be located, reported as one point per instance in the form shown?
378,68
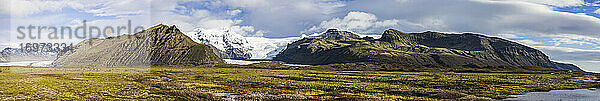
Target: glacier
233,45
267,48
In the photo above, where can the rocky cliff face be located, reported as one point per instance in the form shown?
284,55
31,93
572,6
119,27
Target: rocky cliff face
565,66
160,45
428,48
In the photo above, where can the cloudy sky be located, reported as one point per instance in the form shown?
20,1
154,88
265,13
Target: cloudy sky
566,30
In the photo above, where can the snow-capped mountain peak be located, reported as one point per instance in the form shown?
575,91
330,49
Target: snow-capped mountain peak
231,44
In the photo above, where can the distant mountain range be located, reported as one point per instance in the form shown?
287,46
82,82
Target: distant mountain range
17,54
427,48
565,66
160,45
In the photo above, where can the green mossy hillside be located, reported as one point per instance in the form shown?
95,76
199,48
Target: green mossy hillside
412,49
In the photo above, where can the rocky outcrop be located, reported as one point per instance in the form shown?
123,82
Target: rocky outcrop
570,67
427,48
160,45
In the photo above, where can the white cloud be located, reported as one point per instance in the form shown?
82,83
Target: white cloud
72,13
284,17
597,11
23,11
490,17
278,18
122,7
557,3
511,36
529,42
573,39
234,12
21,8
200,19
360,22
24,8
570,54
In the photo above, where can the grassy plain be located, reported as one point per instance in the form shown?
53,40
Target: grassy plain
216,82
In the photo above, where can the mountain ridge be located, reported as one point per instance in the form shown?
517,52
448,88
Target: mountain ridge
427,48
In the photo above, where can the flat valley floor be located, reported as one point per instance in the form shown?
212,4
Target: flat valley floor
213,83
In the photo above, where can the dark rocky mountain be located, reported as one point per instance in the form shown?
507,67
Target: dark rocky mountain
566,66
160,45
422,49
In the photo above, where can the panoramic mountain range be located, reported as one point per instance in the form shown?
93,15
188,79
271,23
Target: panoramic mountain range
163,45
421,49
160,45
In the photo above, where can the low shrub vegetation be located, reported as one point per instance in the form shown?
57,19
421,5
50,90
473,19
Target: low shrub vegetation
275,82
